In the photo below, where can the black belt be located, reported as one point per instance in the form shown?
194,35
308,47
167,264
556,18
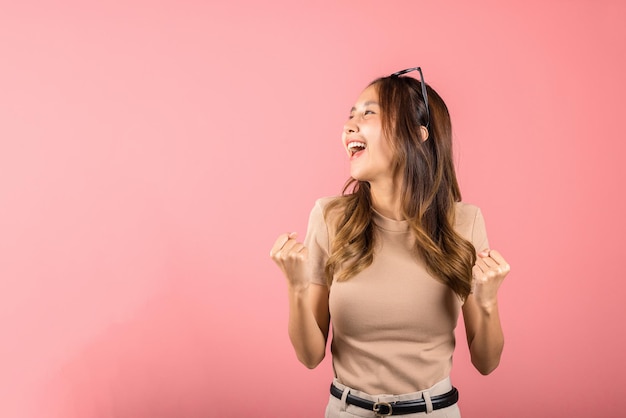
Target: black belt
385,409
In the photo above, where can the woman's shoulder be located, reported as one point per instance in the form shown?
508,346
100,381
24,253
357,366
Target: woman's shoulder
466,210
466,215
329,204
328,210
469,223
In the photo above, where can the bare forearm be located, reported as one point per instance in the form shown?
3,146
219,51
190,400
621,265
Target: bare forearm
308,340
309,319
482,319
488,340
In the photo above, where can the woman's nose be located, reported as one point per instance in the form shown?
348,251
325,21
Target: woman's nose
350,126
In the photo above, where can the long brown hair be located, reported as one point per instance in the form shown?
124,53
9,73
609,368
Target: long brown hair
429,191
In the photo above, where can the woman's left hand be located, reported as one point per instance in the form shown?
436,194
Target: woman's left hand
488,273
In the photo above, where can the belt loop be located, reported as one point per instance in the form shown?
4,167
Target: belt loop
344,396
429,402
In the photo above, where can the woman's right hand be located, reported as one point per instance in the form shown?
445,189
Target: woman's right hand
291,256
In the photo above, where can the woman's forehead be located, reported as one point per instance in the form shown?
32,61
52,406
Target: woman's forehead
368,96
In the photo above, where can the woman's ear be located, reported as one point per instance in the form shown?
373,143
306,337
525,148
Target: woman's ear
424,132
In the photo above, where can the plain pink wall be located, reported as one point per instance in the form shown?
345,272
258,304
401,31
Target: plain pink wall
150,152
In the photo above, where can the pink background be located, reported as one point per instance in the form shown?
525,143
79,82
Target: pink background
150,153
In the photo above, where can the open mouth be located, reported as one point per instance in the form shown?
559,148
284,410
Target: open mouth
355,147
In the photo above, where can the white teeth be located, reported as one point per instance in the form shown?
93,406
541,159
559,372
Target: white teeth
356,144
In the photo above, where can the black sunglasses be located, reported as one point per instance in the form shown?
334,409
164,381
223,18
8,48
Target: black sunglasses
424,95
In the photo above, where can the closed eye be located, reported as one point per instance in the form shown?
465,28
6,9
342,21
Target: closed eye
365,113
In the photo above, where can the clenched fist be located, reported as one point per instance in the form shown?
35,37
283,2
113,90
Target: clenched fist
291,256
488,273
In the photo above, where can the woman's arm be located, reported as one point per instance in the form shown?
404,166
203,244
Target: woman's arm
308,323
309,319
480,311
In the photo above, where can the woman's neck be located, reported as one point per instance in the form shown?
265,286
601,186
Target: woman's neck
386,200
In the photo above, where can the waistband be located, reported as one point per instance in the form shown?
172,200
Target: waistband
440,395
439,388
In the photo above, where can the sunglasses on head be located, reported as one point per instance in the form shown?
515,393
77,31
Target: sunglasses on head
424,95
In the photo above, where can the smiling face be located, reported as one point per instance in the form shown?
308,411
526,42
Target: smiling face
371,157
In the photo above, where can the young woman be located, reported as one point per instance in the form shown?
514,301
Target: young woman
392,262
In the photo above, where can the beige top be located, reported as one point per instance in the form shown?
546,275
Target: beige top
393,323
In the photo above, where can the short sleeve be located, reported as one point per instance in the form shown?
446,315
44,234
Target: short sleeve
479,232
317,244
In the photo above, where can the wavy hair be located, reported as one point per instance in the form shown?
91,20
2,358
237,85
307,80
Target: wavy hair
429,190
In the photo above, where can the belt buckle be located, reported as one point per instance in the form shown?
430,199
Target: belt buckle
382,409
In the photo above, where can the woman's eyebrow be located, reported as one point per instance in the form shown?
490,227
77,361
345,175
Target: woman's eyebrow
369,102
